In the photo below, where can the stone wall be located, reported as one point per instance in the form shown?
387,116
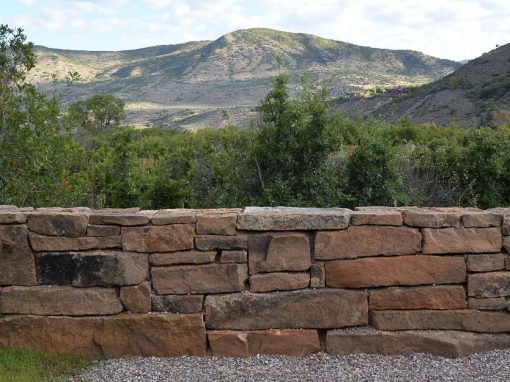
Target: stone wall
238,282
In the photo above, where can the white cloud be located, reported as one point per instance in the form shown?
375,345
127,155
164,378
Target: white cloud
27,2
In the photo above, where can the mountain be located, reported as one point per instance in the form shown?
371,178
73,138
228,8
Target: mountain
168,84
476,94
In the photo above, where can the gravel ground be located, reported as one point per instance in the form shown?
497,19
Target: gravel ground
490,366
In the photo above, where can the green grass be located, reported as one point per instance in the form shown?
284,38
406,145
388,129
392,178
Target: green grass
30,366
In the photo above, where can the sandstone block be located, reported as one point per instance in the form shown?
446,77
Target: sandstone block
212,278
212,242
443,343
461,240
187,257
136,298
394,271
485,263
507,263
248,343
160,335
216,224
279,252
492,303
493,284
506,244
362,241
64,335
181,304
58,224
433,218
289,219
466,319
267,282
42,243
12,217
175,216
59,301
100,268
429,297
506,224
17,265
168,238
377,217
103,230
313,309
317,276
234,257
120,217
482,219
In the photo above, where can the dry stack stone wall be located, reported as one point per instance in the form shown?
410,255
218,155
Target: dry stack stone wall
237,282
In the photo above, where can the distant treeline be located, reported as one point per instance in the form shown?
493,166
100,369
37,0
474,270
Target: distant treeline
301,153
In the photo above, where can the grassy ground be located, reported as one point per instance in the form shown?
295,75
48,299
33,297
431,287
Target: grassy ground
31,366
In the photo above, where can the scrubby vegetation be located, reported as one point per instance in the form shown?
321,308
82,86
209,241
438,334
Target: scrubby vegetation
301,153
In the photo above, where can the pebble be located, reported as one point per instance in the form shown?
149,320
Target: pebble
490,366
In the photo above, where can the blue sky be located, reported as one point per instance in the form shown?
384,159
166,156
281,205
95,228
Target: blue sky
455,29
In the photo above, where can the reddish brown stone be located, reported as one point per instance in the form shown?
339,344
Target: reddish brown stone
175,216
506,244
103,230
267,282
160,335
168,238
493,284
57,243
212,278
17,265
182,304
279,252
393,271
59,301
433,218
212,242
188,257
234,257
58,224
309,308
482,219
443,343
433,297
362,241
244,344
317,276
376,217
486,262
216,224
493,303
506,224
461,240
137,298
466,319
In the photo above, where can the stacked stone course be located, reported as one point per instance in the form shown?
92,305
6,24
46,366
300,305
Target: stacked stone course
238,282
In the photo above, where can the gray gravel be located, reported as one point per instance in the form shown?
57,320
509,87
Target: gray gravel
490,366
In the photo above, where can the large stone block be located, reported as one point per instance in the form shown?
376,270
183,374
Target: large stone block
181,304
466,319
58,224
267,282
362,241
175,216
17,265
461,240
482,219
42,243
292,219
443,343
216,224
506,224
136,298
244,344
64,335
429,297
121,217
433,218
485,263
211,278
394,271
160,335
103,230
179,258
493,284
492,303
314,309
377,217
213,242
12,217
168,238
100,268
59,301
279,252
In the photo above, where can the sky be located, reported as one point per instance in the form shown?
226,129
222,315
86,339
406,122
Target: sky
454,29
